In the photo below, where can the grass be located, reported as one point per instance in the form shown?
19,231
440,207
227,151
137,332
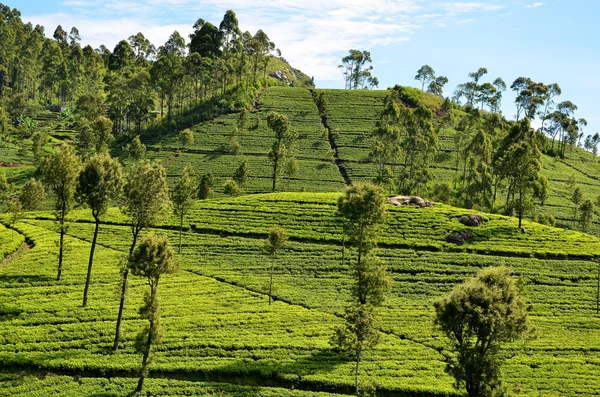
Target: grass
218,324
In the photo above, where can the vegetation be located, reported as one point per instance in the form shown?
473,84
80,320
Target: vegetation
117,137
151,259
60,172
477,317
100,183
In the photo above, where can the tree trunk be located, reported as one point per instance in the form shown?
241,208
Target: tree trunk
123,293
356,368
598,292
275,164
61,243
343,244
271,281
89,271
149,341
180,230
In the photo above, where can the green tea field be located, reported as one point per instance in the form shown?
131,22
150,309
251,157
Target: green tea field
221,337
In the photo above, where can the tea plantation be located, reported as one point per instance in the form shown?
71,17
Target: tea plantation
222,338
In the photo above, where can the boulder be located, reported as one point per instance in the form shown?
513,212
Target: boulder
459,238
410,200
471,220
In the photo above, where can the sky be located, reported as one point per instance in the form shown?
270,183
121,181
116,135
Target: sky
550,41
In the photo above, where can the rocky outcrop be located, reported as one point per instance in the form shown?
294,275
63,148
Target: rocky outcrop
459,238
410,200
471,220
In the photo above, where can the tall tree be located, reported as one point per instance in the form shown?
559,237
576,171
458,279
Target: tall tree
362,209
151,260
32,195
576,198
59,172
387,138
241,174
100,183
275,242
425,75
477,317
354,68
183,196
205,189
282,147
146,202
587,213
519,161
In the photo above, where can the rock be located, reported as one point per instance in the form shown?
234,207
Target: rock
471,220
459,238
410,200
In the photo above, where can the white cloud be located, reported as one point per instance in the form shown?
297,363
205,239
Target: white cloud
464,7
312,34
534,5
462,21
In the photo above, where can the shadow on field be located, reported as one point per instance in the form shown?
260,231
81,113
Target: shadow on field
25,278
265,372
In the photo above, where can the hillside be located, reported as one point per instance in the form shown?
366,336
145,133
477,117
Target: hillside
219,328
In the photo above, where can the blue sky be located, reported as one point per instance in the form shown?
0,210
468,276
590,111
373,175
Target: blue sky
548,41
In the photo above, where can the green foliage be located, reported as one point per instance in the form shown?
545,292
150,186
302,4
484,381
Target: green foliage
477,317
363,208
241,174
183,196
152,258
5,188
587,214
136,149
231,188
60,171
283,147
186,137
32,195
100,183
205,189
276,240
146,195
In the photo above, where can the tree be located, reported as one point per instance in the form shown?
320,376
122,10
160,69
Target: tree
146,202
5,188
477,317
32,195
353,67
436,87
587,213
136,149
59,172
231,188
519,161
275,242
362,209
241,174
100,182
425,75
284,141
152,259
183,196
207,183
186,137
387,138
576,198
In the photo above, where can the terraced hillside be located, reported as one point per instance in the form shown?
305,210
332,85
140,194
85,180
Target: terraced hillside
221,334
353,116
211,151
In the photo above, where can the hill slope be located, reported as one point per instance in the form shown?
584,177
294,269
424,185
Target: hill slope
219,327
